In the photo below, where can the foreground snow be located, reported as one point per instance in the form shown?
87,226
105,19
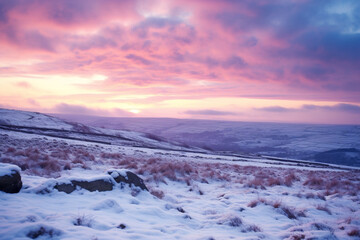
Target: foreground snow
214,210
191,195
190,198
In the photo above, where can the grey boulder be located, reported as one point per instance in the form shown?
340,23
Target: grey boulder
10,178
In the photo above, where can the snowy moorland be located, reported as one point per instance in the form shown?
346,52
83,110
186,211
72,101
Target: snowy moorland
193,193
338,144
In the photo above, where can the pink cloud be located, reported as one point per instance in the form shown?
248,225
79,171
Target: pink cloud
23,84
209,112
33,102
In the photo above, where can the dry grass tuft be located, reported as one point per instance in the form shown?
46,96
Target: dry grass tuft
314,182
354,233
297,237
256,183
256,202
323,208
157,193
289,212
83,220
253,228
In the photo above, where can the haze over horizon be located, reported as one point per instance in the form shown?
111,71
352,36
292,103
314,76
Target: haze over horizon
271,61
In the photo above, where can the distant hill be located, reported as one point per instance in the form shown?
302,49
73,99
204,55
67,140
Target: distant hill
296,141
45,125
343,156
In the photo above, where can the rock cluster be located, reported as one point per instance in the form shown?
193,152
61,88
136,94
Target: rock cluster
100,185
103,183
10,181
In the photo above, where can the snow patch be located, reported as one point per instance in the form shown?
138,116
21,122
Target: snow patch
119,172
108,204
8,169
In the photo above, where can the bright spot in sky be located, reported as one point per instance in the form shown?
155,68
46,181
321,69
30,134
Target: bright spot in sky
135,111
99,77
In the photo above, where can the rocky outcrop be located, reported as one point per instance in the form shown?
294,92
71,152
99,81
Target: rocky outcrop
10,178
114,178
101,185
123,176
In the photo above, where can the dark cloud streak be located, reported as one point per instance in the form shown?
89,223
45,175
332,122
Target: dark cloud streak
344,107
276,109
209,112
341,107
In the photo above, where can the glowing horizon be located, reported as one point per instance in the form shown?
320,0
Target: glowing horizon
292,61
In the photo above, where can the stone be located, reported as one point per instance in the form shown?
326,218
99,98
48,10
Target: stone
10,178
121,226
65,187
100,185
127,177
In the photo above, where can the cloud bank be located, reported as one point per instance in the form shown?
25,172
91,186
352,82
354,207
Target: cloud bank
342,107
209,112
189,49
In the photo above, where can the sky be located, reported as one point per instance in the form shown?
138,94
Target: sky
280,60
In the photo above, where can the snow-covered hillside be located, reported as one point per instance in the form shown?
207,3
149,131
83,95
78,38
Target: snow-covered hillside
40,124
31,119
338,144
192,194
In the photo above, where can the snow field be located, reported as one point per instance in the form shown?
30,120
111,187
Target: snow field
188,199
191,195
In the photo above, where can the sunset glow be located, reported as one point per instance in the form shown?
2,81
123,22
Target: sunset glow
283,61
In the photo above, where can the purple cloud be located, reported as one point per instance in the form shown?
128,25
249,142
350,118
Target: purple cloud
33,102
342,107
5,7
67,108
138,59
209,112
35,39
82,110
234,62
311,30
93,42
313,72
275,109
